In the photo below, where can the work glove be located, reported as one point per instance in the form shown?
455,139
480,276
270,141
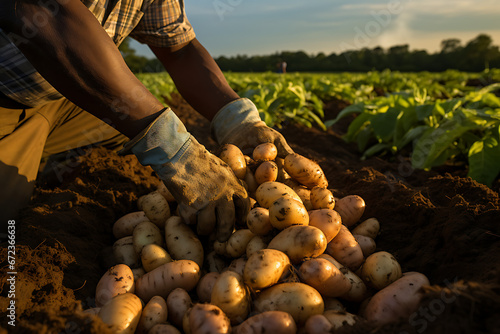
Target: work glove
239,123
206,190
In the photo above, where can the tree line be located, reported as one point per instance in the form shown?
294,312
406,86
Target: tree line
476,55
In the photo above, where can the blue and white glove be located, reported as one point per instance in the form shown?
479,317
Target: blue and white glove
239,123
205,188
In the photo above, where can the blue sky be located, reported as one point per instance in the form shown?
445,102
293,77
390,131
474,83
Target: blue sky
258,27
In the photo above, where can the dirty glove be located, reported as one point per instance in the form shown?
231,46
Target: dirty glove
239,123
205,188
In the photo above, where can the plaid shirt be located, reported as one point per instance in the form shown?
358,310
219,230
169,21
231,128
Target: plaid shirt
159,23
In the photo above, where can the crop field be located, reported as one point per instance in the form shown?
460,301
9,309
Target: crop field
408,186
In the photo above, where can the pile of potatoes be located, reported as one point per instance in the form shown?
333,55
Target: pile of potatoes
301,261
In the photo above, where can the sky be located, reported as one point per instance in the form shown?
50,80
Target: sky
258,27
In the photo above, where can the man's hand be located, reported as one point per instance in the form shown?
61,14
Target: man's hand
239,123
206,189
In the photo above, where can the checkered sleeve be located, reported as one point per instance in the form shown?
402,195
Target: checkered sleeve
164,24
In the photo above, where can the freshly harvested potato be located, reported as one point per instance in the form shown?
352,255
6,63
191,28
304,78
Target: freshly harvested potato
234,158
155,312
367,244
232,296
368,228
340,318
144,234
266,172
214,262
251,182
117,280
206,318
205,286
327,220
345,249
164,329
178,303
268,192
153,256
380,269
397,301
124,226
298,299
162,189
322,275
305,171
265,152
276,322
156,208
220,248
287,211
350,208
300,242
304,194
256,244
265,268
237,265
258,221
122,312
332,303
322,198
124,252
182,242
318,324
237,242
167,277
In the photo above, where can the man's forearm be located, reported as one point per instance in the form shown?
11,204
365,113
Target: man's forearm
197,77
74,54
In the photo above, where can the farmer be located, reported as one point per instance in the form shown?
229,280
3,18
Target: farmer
64,85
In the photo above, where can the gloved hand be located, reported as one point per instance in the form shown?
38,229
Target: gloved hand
205,188
239,123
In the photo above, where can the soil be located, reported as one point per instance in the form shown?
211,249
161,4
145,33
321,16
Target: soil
439,223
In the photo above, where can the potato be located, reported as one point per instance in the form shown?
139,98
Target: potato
275,322
232,296
305,171
156,208
124,226
164,329
368,228
345,249
214,262
162,189
144,234
124,252
350,208
298,299
304,194
255,244
182,242
167,277
153,256
339,319
258,221
122,312
237,242
282,174
178,303
265,268
251,182
138,272
397,301
318,324
266,172
358,291
206,318
205,286
117,280
327,220
380,269
322,198
333,304
268,192
286,211
299,242
234,158
155,312
322,275
265,152
237,265
220,248
367,244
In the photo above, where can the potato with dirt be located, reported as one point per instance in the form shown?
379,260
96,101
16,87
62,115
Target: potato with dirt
266,172
117,280
153,256
265,152
258,221
122,313
155,312
368,228
265,268
237,242
178,303
124,226
322,275
124,252
287,211
182,243
156,208
322,198
232,296
380,269
205,286
327,220
345,249
275,322
268,192
144,234
305,171
206,318
350,208
234,158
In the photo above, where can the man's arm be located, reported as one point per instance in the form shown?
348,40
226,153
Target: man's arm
197,77
71,50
